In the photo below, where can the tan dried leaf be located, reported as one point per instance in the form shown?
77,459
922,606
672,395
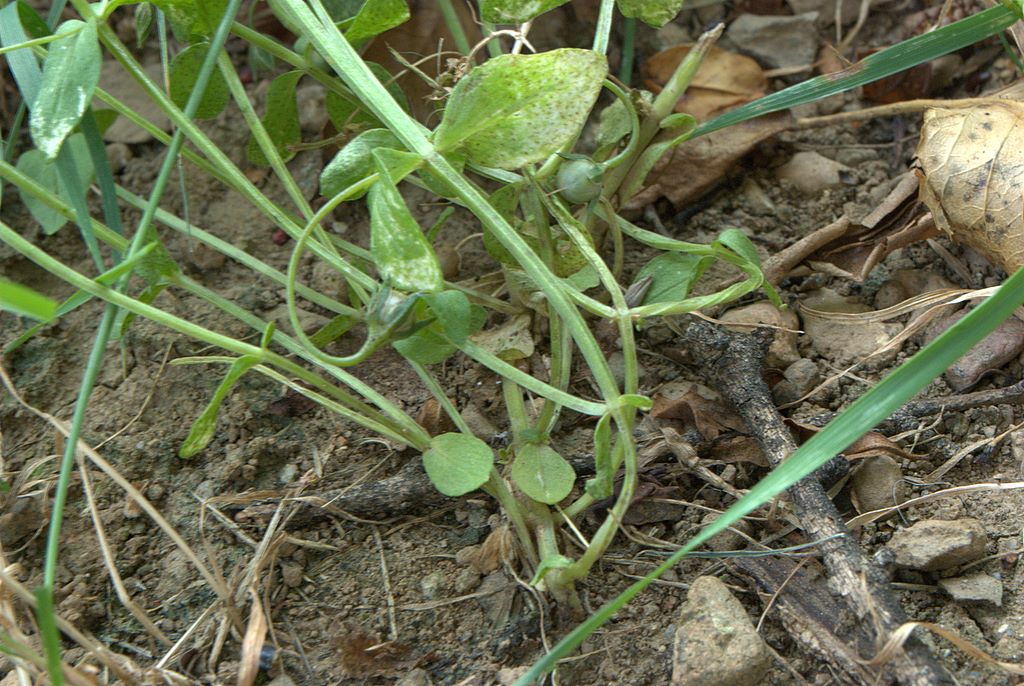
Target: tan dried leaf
972,175
723,81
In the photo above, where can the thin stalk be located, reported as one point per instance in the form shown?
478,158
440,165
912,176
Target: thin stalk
603,30
499,490
515,410
628,50
451,20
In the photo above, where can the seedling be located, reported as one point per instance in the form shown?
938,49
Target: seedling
505,148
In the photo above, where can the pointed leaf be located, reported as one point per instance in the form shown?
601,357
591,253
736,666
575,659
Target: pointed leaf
672,275
401,252
542,474
458,463
26,302
281,119
519,109
376,17
515,11
203,429
44,172
354,162
184,73
70,75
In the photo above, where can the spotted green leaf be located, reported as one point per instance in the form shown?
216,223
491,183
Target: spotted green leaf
654,12
457,463
184,73
404,258
354,162
376,17
70,74
672,275
542,474
193,18
43,171
515,11
519,109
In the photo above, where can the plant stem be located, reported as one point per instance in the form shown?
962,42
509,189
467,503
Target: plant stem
628,50
603,30
451,20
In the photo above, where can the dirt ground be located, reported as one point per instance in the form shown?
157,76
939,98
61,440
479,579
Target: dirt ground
338,589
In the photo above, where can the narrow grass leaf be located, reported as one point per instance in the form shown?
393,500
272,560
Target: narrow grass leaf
70,74
26,302
867,411
203,429
281,119
458,463
879,65
185,72
46,616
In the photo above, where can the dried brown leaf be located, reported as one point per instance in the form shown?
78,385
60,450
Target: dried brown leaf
723,81
972,172
709,417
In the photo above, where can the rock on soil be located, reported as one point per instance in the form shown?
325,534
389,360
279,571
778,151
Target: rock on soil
995,350
846,344
811,173
978,587
776,41
782,351
935,544
876,484
716,643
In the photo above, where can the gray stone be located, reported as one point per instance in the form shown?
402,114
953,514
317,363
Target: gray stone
877,484
846,344
416,677
776,41
119,83
811,173
826,10
715,642
432,584
995,350
312,111
935,544
978,587
801,378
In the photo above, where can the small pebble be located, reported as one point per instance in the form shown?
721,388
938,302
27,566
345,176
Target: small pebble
978,587
811,173
935,544
877,484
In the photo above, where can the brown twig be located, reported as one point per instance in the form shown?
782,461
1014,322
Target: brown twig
734,362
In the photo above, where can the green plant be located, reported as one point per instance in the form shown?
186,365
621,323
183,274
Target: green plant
504,150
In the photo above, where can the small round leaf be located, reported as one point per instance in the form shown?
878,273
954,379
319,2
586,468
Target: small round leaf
542,474
457,463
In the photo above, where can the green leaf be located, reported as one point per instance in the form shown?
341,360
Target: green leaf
203,428
346,112
542,474
519,109
26,302
737,241
426,346
454,313
678,128
515,11
657,13
43,171
403,256
70,74
458,463
144,16
281,119
672,275
397,163
376,17
184,73
194,18
354,162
